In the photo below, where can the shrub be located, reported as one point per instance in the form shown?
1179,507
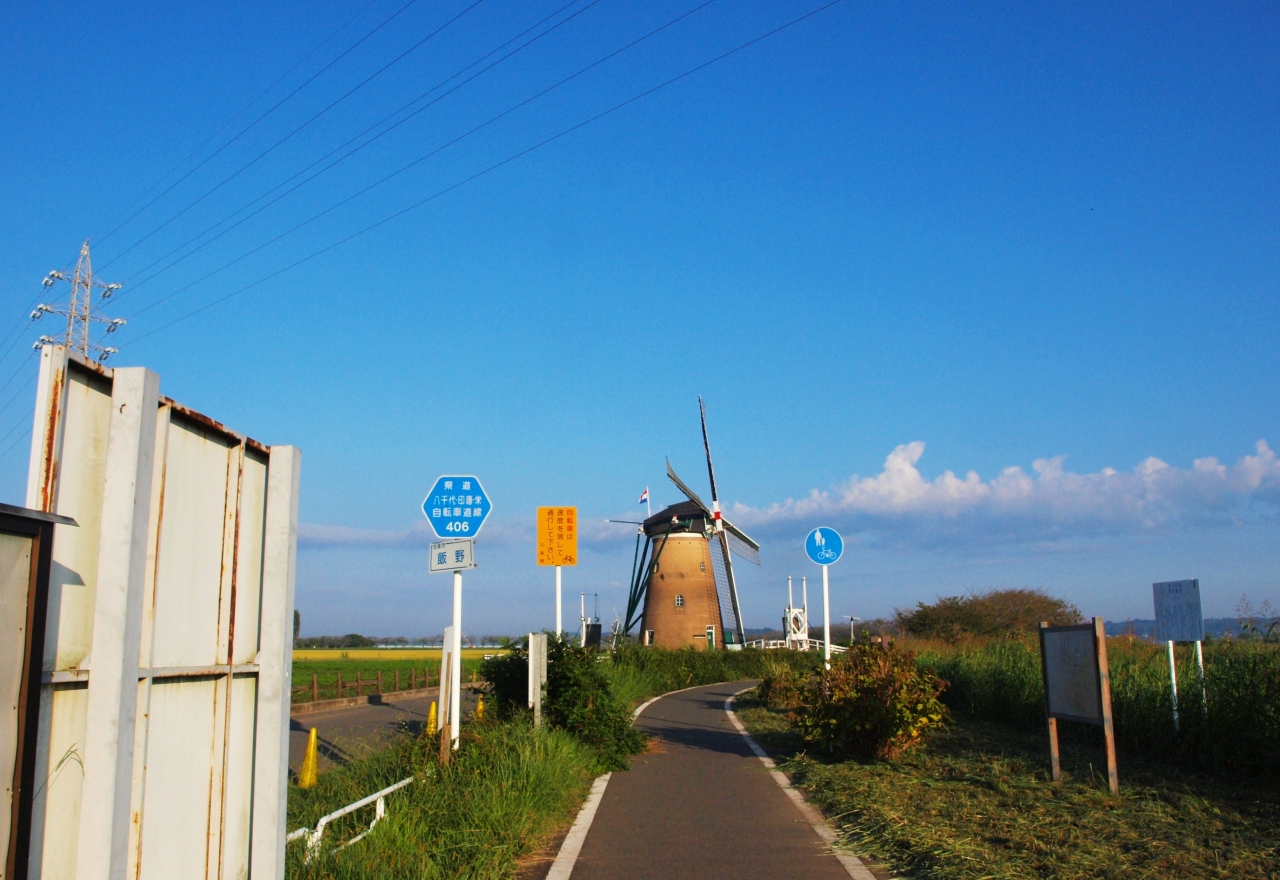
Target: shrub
780,688
994,613
579,699
873,703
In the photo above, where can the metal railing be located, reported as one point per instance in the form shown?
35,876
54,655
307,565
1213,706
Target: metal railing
380,810
803,645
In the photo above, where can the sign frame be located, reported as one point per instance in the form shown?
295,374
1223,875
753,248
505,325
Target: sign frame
1102,681
451,547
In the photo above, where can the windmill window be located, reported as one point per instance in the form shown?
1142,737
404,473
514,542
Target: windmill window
679,601
702,566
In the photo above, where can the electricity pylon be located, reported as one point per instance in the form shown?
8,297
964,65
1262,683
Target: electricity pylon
79,313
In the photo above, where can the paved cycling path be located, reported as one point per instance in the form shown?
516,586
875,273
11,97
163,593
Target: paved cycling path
699,804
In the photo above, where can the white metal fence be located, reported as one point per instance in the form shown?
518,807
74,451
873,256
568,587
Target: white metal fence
163,745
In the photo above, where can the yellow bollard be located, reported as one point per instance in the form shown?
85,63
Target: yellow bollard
310,770
432,724
480,708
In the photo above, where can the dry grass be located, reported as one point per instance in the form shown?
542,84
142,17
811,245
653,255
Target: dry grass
977,803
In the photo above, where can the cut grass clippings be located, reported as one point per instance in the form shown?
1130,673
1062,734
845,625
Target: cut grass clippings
977,803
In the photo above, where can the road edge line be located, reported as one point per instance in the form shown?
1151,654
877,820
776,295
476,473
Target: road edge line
851,863
567,857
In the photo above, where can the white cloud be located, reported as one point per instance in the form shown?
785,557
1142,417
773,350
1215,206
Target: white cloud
899,504
1048,503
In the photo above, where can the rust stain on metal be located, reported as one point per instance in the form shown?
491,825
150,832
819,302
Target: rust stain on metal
50,437
213,424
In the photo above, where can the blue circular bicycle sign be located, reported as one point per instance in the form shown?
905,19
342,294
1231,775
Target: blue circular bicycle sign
457,506
824,545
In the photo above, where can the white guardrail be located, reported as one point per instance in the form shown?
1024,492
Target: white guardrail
805,645
380,810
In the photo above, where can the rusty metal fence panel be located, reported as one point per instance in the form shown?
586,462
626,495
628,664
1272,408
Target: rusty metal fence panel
164,712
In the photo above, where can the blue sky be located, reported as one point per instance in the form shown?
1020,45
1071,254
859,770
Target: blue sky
885,244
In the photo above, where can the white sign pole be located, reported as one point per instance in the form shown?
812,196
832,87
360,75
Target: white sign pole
1173,685
455,673
826,620
558,602
1204,693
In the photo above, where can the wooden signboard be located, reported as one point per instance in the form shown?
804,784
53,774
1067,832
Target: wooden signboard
1077,686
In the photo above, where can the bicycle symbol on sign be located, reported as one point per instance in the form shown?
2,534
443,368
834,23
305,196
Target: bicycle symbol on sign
826,553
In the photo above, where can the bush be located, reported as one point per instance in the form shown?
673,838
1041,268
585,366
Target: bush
667,670
872,704
994,613
780,689
579,699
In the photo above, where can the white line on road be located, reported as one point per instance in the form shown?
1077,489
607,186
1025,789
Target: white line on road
851,863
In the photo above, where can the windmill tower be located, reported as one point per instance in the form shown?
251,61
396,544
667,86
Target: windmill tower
684,576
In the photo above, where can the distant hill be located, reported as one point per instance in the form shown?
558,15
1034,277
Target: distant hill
1213,626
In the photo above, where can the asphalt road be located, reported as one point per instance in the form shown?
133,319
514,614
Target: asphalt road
354,731
700,804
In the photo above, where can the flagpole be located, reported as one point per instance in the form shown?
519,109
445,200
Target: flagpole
648,505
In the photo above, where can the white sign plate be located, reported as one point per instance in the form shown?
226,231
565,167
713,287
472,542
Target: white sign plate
452,555
1178,617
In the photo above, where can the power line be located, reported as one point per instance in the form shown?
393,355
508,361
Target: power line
256,159
355,138
422,158
240,113
491,168
251,125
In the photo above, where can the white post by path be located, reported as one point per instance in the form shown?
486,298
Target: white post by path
455,673
1204,692
1173,685
826,620
558,603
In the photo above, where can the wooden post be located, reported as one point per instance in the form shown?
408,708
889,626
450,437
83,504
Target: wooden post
315,688
1104,684
359,685
413,679
1055,762
446,727
397,679
379,682
339,685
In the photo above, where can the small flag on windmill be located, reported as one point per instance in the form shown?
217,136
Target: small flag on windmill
644,499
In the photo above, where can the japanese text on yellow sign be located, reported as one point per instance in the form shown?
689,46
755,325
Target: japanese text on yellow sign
557,536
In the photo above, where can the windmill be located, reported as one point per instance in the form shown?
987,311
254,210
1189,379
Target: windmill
684,573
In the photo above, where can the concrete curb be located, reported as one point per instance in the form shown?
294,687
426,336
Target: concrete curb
366,700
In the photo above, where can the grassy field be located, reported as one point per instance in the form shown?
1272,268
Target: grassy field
1229,723
327,664
503,797
977,803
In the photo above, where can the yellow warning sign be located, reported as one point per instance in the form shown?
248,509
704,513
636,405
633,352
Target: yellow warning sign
557,536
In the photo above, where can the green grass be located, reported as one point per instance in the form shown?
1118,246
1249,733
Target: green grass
638,673
1239,733
327,672
507,791
977,803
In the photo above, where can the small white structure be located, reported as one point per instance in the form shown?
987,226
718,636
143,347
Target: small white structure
164,706
795,621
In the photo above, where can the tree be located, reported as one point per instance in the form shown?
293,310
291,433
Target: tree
993,613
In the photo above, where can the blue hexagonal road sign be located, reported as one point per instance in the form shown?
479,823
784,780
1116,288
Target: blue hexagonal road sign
457,506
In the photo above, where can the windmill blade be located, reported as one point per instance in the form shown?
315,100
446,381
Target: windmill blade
733,587
742,546
706,444
689,493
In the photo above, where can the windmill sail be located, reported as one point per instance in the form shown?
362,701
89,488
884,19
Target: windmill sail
733,588
689,493
742,546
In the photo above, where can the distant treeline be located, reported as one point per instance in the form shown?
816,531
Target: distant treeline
355,640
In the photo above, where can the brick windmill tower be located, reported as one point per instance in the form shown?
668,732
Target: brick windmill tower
684,576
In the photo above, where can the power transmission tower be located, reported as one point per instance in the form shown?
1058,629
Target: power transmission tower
79,313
